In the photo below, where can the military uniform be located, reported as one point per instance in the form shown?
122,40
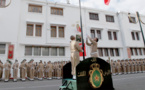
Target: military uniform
40,70
15,70
36,70
7,67
124,67
23,67
49,68
75,57
45,72
142,65
118,67
32,69
129,66
113,66
1,70
132,67
59,70
139,65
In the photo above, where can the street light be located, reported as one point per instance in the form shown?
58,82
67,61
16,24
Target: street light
140,22
4,6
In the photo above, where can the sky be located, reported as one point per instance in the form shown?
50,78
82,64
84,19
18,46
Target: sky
115,5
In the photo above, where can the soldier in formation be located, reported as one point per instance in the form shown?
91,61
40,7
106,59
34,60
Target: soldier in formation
127,66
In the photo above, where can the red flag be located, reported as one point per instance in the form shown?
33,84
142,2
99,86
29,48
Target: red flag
78,28
107,2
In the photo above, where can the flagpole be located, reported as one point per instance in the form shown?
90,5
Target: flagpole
81,29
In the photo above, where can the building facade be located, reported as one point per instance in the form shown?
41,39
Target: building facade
41,30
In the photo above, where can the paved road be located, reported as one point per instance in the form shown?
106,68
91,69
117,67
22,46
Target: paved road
121,82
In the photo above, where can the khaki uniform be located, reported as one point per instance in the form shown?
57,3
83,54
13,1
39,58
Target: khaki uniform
124,67
75,57
118,67
36,71
49,68
28,70
138,66
7,67
15,70
93,45
58,71
135,62
23,67
1,71
142,66
132,67
128,67
113,66
40,71
31,69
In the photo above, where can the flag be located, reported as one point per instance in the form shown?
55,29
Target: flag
107,2
78,28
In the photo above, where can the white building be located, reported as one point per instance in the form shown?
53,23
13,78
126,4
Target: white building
41,30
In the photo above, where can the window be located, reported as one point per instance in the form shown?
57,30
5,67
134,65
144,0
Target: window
94,16
100,52
2,48
132,19
144,51
28,50
35,8
62,51
53,31
131,51
99,34
53,51
109,18
45,51
133,36
61,32
93,33
56,11
33,29
117,52
137,35
111,52
136,52
37,51
2,3
106,52
38,30
29,30
115,35
140,51
109,35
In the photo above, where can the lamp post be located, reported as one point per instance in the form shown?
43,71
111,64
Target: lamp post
140,23
81,29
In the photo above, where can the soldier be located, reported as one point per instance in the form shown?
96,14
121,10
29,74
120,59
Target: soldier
15,70
40,70
58,70
31,69
129,66
21,70
36,70
124,67
1,70
75,57
139,66
118,67
93,45
28,70
113,66
132,67
142,65
45,73
49,69
135,62
23,67
121,63
7,67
